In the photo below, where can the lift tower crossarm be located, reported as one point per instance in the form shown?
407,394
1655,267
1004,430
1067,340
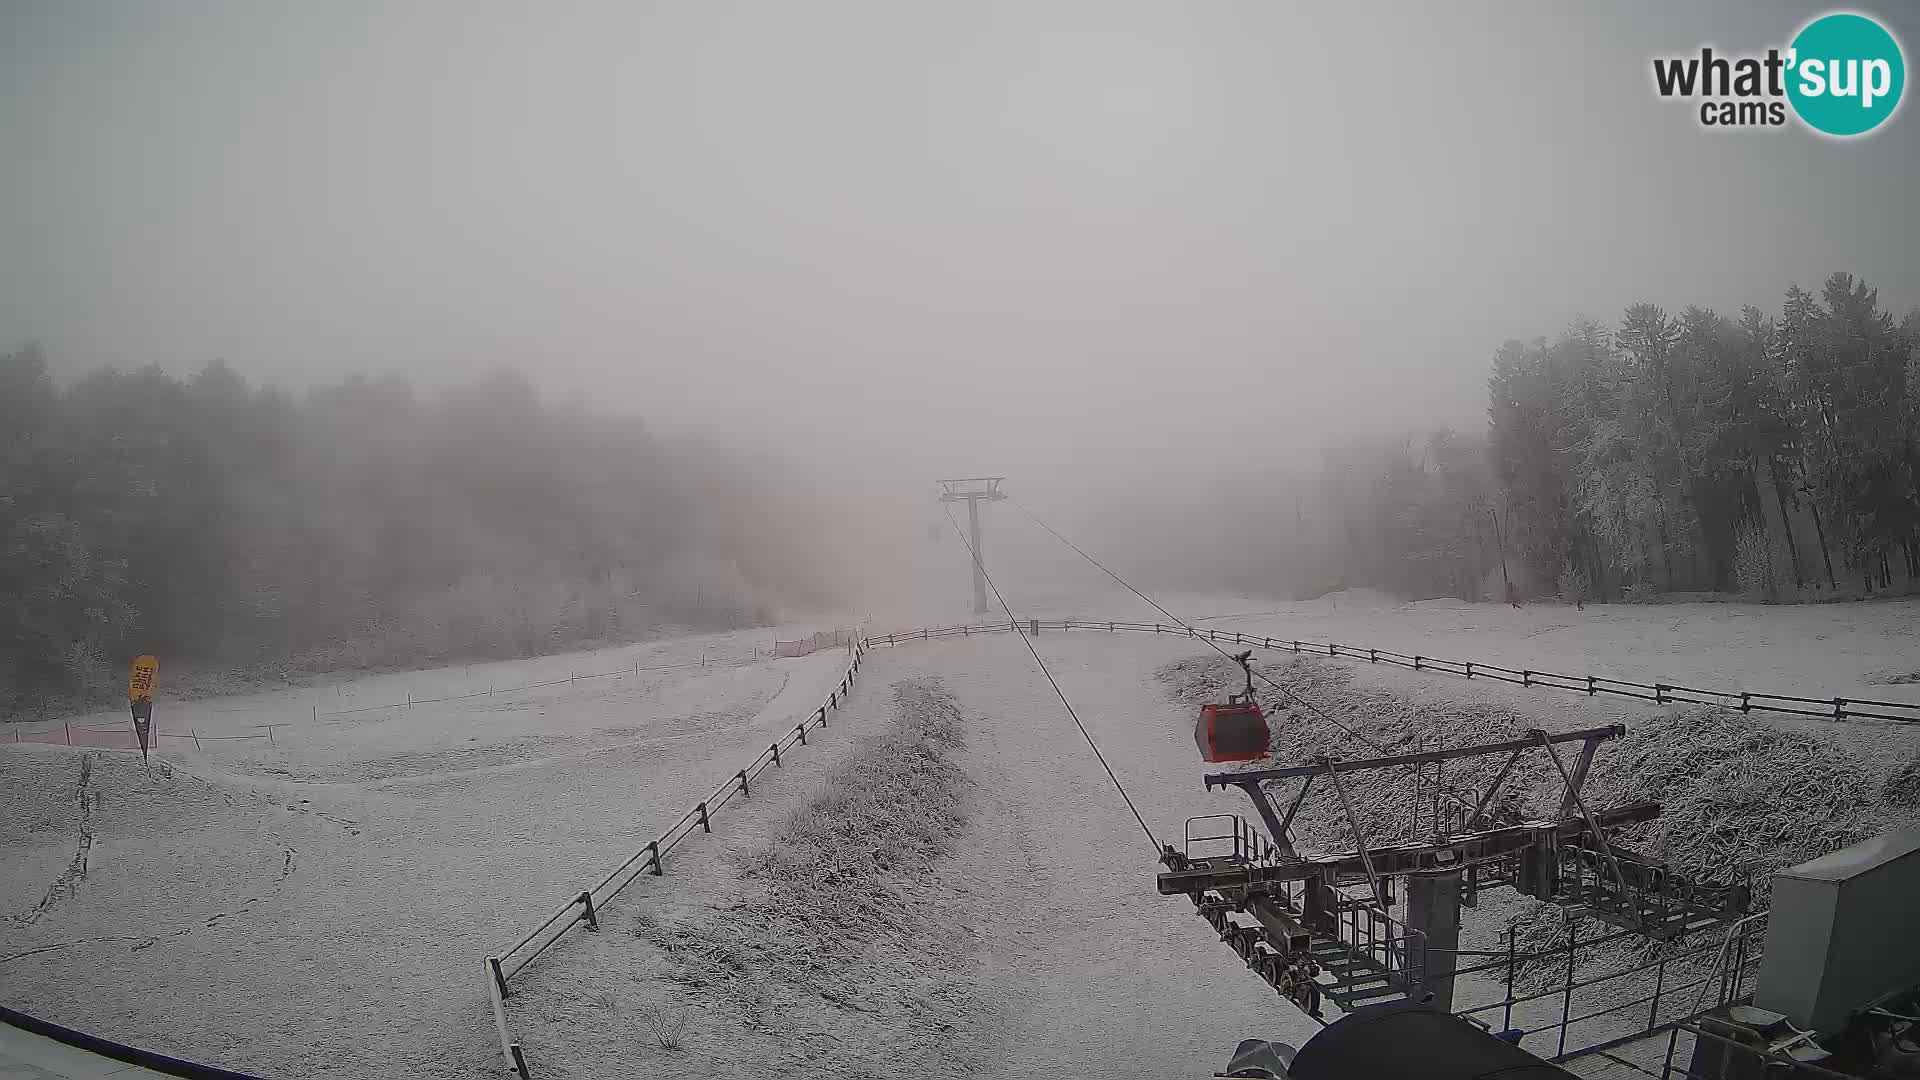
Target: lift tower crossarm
973,490
1321,768
1394,860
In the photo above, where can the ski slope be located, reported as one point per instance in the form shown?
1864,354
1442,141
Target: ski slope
319,907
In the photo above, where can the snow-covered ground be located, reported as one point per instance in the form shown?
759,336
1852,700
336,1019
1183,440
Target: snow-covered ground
1072,963
1817,650
319,907
1847,649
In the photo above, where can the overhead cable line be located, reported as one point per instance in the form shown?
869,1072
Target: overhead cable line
1262,676
1117,786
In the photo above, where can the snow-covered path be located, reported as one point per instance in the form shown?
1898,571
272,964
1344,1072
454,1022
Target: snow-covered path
1099,973
1071,961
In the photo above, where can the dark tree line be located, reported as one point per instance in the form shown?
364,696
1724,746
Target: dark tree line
1409,516
1766,454
214,522
1772,455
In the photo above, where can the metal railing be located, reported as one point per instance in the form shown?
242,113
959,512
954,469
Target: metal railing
1249,844
1660,693
1399,952
586,905
1731,963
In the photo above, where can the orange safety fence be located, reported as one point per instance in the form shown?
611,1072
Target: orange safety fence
112,738
118,738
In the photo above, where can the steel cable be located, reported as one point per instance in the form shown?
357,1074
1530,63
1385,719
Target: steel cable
1289,694
1051,681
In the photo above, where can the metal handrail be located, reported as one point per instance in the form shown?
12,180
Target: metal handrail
584,906
1746,701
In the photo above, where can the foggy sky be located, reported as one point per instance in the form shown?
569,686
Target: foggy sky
962,237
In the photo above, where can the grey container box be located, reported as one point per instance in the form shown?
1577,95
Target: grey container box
1843,932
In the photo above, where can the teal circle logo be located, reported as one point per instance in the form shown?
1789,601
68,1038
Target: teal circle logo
1847,74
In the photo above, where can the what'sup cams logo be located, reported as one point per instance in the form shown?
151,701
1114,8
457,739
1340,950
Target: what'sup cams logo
1842,75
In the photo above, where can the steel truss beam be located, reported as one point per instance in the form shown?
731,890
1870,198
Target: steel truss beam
1394,860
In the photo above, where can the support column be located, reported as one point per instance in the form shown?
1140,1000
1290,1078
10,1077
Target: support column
972,491
979,559
1433,908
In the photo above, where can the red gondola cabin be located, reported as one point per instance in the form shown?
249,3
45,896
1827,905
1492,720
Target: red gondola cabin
1236,730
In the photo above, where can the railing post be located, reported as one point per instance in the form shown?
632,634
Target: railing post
1591,690
775,747
1566,1006
706,823
499,977
1373,656
801,730
1839,708
742,775
1731,990
1526,677
659,869
592,920
1659,693
1746,700
823,716
1659,983
1416,661
1469,667
1506,1024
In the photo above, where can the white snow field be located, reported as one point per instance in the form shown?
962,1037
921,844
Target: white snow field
1065,959
320,907
1847,649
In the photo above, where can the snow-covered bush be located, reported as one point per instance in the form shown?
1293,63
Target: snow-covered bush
1573,585
1755,571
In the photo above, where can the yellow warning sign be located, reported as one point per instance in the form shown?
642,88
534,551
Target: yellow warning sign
140,679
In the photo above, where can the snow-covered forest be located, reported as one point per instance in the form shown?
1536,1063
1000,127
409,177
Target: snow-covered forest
1684,452
217,523
1772,454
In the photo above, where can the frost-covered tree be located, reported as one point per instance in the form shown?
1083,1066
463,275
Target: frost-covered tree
209,520
1643,453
